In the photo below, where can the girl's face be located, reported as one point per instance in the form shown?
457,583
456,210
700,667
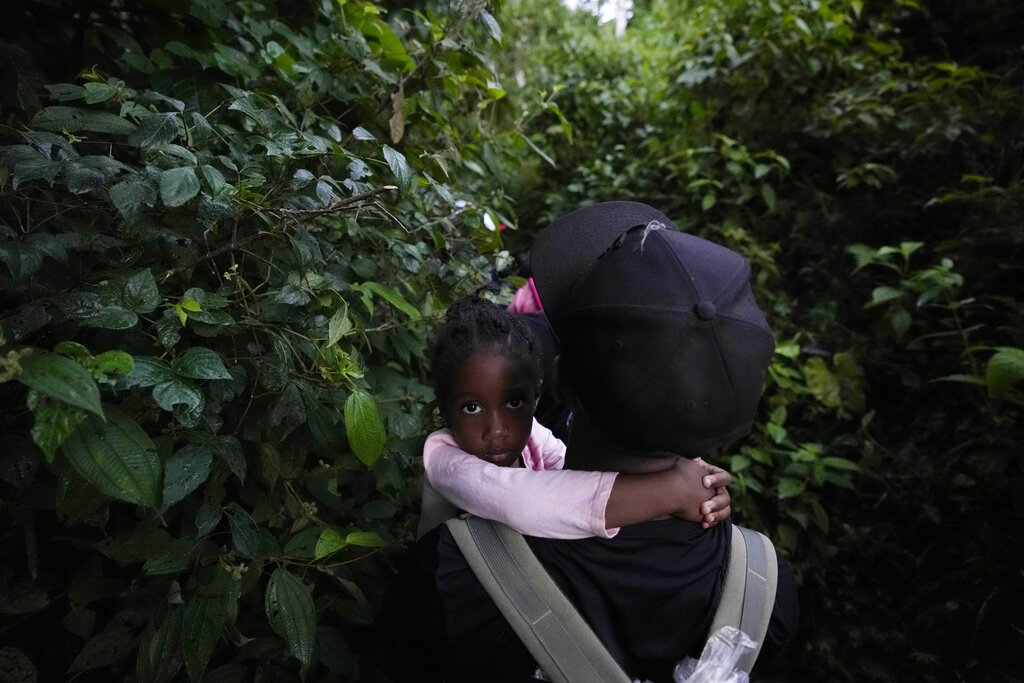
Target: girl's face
491,409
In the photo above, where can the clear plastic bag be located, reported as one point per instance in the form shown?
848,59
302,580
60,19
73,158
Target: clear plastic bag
717,663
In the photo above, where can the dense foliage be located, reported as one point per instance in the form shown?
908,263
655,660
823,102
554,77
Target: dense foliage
224,243
867,157
228,227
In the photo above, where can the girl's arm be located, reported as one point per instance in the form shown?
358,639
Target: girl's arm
682,490
569,503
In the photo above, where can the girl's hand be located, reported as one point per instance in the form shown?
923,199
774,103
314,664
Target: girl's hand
718,507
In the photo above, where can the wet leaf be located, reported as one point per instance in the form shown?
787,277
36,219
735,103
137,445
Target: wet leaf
117,457
292,615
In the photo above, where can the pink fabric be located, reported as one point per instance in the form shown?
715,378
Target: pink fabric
526,299
538,499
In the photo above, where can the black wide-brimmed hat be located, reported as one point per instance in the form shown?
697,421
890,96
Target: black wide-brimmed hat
660,335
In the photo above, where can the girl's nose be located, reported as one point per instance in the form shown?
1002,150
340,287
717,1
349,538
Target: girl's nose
496,428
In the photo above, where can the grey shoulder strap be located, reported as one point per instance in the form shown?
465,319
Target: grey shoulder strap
546,622
748,595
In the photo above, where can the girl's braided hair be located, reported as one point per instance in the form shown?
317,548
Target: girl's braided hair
474,325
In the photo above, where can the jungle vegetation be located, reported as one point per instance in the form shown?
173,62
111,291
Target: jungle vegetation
228,229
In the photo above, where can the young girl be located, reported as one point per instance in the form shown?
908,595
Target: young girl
496,461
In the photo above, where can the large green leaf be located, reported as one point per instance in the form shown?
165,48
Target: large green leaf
141,293
204,619
75,119
158,129
161,654
199,362
328,543
117,458
181,392
364,427
178,185
249,540
148,371
130,195
62,379
186,471
292,614
391,296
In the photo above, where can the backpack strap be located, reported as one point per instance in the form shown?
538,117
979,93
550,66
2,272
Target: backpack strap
748,594
546,622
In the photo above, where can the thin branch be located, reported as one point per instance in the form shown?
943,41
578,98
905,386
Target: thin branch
292,215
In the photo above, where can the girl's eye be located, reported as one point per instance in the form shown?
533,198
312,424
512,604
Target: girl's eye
515,403
471,408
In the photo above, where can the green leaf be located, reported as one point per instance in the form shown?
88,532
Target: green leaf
790,488
881,295
110,645
141,293
186,471
62,379
214,178
365,539
111,363
248,539
777,432
364,427
339,325
492,25
173,558
199,362
148,372
1004,369
161,654
178,185
130,195
328,543
64,92
117,458
228,449
53,422
157,129
292,615
178,392
391,296
822,382
203,622
838,463
82,179
399,166
768,195
75,119
207,518
95,93
72,350
361,133
111,318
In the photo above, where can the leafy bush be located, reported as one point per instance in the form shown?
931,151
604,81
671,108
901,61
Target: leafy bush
222,251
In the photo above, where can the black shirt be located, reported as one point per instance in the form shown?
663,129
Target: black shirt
649,594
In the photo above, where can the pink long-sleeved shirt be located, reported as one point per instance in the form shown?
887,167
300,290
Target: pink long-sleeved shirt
565,504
